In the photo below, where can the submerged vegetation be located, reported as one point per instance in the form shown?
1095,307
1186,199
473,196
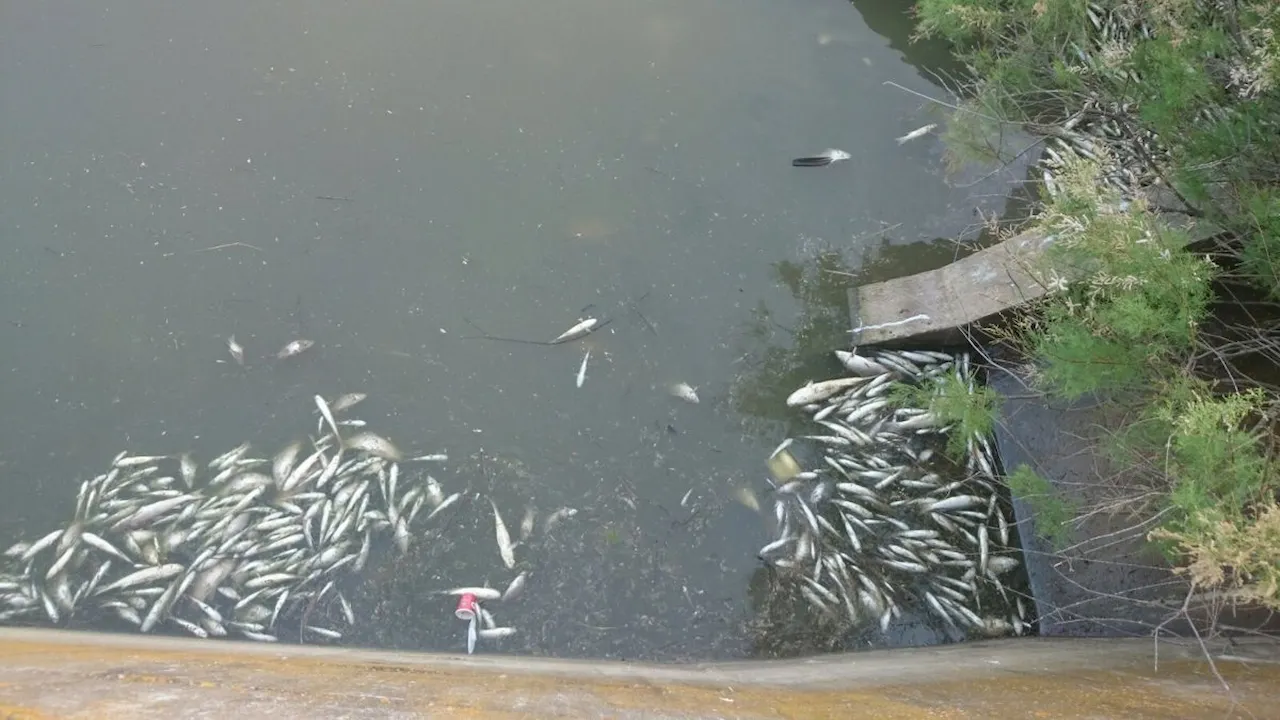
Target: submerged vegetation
1153,116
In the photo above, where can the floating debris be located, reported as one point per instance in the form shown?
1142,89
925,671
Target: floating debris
877,524
233,550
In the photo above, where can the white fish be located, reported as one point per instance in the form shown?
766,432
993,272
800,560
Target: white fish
434,457
556,517
282,465
684,392
138,460
819,391
505,548
294,348
515,588
526,524
375,445
346,402
444,504
582,371
471,635
918,132
497,633
187,465
328,417
236,349
483,594
582,328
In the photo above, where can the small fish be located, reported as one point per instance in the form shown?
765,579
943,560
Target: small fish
497,633
515,588
581,329
294,348
684,391
526,524
819,391
582,371
918,132
505,548
347,401
822,159
328,417
374,445
483,594
556,517
236,349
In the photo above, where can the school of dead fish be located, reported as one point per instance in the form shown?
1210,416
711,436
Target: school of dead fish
245,546
879,526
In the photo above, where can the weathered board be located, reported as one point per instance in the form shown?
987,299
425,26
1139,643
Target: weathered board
936,307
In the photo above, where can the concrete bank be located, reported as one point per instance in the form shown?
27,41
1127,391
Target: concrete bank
58,674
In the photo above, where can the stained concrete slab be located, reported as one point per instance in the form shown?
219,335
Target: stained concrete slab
61,674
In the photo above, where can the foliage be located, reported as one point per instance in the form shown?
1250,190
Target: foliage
971,411
1052,511
1158,108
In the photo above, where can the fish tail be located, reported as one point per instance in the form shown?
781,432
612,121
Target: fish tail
815,161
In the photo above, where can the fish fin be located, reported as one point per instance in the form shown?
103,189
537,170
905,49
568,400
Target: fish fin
815,161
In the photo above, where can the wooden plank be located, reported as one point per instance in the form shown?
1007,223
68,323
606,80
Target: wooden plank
936,307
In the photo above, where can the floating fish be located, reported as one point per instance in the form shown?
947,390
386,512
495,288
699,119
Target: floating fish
917,133
347,401
822,159
375,445
583,328
236,350
582,371
471,635
515,588
505,548
293,348
684,391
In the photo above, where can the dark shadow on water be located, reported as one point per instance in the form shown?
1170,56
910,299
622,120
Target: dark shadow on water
895,21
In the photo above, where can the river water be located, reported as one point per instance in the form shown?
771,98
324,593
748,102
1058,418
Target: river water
388,178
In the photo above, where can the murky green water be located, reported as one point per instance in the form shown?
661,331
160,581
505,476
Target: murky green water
497,165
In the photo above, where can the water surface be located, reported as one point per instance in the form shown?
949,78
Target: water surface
508,166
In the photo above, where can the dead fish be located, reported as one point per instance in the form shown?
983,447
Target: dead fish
328,417
347,401
526,524
236,349
745,496
471,635
582,371
482,594
918,132
684,391
505,548
581,329
556,517
282,465
294,348
497,633
515,588
819,391
822,159
374,445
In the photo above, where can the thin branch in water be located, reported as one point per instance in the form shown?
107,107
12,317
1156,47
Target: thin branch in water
224,246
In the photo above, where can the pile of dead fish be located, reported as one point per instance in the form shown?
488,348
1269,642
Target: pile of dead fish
246,546
884,521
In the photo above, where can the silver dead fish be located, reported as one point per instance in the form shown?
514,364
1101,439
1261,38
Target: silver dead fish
236,350
582,329
917,133
293,348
